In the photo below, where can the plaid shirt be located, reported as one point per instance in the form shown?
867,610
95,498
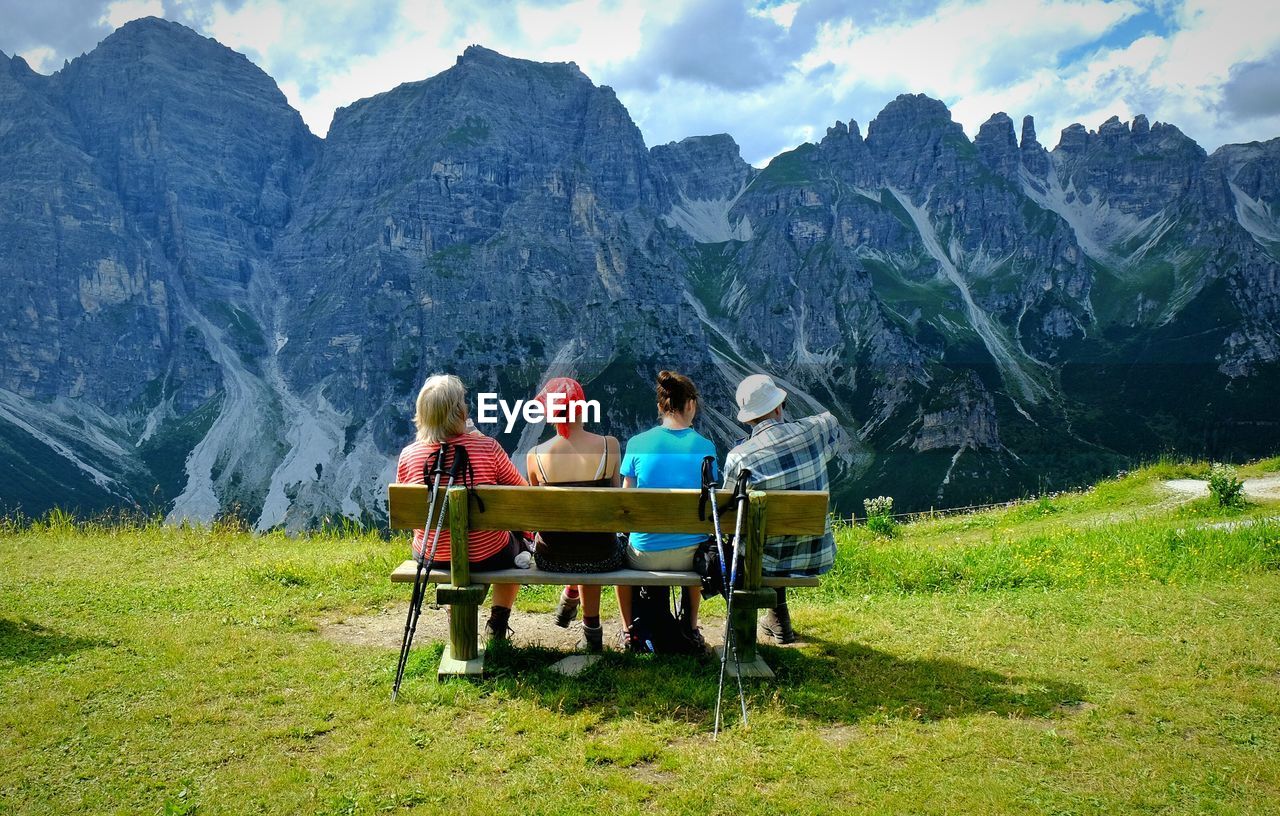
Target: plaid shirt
790,456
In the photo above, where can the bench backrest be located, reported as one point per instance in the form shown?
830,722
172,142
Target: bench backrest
604,509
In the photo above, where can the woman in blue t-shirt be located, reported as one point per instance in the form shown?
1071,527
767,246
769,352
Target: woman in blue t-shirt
669,455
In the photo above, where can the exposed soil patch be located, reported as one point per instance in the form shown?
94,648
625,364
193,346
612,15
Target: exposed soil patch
385,628
842,735
1264,487
1065,712
650,774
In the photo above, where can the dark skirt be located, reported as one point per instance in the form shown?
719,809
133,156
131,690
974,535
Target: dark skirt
578,552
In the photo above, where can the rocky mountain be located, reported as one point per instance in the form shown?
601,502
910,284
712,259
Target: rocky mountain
213,310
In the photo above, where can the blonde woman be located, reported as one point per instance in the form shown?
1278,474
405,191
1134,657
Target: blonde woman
441,417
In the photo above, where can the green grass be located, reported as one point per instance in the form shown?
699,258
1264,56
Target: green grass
1073,655
794,167
472,132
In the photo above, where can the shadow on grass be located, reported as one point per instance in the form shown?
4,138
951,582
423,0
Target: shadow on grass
824,682
24,641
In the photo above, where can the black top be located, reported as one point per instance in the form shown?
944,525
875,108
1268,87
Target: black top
570,549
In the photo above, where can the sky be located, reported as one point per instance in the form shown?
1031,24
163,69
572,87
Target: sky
771,74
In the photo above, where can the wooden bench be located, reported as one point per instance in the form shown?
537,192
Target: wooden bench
596,509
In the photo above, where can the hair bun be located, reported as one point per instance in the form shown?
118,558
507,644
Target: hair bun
674,391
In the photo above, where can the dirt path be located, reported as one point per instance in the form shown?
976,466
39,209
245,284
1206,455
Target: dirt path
384,629
1264,487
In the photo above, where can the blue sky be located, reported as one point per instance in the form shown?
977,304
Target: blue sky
771,74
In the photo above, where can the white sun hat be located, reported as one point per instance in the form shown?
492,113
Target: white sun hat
758,395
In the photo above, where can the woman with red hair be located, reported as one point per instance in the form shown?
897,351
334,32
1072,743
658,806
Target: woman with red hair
575,457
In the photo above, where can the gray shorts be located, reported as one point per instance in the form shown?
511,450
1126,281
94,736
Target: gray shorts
676,560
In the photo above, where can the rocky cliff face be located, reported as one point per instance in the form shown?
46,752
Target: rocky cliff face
212,309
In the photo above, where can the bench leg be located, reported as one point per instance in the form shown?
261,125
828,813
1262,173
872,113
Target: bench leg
744,634
463,656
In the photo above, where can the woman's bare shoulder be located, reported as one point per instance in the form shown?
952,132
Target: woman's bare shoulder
543,447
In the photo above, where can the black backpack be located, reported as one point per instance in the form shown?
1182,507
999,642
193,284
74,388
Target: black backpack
654,627
706,562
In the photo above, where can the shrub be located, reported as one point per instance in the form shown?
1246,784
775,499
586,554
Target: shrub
880,515
1225,486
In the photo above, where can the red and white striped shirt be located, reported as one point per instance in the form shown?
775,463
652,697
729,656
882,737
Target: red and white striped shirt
491,465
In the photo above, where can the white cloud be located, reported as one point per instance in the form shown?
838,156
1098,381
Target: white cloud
118,13
43,59
784,14
256,26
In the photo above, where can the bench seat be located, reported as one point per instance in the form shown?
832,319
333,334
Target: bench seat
535,577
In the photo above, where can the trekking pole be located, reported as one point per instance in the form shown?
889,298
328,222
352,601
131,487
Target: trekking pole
731,644
709,493
434,468
458,466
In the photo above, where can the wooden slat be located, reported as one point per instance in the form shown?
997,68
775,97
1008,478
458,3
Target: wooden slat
603,509
405,573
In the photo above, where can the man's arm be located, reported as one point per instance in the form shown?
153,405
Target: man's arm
825,430
732,464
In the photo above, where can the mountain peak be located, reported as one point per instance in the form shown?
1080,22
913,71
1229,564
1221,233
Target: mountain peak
719,141
156,30
920,106
841,131
1113,129
480,55
910,114
182,50
153,23
1029,131
998,126
1146,138
997,145
702,167
177,58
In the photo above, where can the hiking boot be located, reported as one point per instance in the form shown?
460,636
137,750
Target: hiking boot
628,642
496,628
592,639
776,624
693,634
566,611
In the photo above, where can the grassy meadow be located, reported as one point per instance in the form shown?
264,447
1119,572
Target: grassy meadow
1113,650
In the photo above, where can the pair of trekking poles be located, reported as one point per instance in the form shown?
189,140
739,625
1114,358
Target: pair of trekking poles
435,468
730,636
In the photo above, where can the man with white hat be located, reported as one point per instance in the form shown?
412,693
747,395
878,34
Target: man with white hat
784,455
